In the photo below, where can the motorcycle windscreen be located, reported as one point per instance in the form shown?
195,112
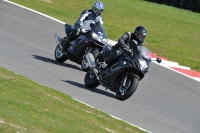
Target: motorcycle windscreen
144,62
144,52
101,31
97,27
87,23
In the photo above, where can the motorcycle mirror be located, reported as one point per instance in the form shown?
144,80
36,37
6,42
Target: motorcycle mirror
159,60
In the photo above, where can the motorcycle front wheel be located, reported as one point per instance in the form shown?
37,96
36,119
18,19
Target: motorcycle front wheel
59,56
91,80
124,92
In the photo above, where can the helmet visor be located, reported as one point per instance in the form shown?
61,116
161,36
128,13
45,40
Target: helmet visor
98,11
141,37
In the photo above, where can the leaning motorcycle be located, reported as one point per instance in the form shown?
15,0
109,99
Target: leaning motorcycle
123,76
90,42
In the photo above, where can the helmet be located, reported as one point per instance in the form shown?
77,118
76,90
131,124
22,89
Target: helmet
98,7
140,33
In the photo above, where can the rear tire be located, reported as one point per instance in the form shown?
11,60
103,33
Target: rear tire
59,56
123,93
91,80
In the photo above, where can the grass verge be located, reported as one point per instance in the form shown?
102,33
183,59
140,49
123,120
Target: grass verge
27,107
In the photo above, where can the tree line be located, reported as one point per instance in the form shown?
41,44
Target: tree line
193,5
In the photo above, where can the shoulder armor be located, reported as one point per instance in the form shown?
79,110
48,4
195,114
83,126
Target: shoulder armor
129,34
83,12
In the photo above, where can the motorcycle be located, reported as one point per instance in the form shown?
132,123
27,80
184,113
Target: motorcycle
121,77
90,42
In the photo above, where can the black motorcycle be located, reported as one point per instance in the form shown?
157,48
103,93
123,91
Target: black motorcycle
123,76
90,42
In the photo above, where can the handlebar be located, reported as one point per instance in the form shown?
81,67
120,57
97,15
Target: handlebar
128,50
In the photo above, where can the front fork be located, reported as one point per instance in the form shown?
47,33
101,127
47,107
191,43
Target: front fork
89,50
125,78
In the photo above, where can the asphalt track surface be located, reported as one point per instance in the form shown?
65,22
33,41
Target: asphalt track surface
165,101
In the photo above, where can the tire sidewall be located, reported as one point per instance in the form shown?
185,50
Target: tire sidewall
90,82
130,91
62,58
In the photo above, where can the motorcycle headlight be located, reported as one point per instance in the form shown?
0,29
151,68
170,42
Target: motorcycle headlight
104,40
143,65
95,36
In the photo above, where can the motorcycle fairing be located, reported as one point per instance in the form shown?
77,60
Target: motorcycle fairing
87,23
111,74
122,64
77,49
78,46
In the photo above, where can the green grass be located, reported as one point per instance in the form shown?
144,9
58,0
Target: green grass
172,33
28,107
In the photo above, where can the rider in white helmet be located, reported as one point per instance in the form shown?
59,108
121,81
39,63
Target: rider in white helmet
91,14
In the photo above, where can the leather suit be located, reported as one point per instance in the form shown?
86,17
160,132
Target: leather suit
127,41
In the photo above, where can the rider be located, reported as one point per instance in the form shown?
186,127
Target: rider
128,41
91,14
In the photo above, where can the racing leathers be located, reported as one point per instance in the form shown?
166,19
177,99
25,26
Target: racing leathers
79,26
128,41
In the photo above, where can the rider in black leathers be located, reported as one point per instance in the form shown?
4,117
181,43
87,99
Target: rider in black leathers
128,41
91,14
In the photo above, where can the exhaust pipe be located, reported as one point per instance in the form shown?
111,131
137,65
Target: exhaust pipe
91,61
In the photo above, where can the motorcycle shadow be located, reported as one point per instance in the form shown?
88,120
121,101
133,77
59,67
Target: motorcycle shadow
45,59
96,90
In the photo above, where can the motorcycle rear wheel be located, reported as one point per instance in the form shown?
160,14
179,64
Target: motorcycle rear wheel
91,80
124,92
59,56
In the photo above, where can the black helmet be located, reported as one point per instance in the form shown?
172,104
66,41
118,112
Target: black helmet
98,7
141,33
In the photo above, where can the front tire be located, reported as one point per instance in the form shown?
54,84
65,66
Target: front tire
124,92
91,80
59,56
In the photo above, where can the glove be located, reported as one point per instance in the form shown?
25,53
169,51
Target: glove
126,47
83,30
99,20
